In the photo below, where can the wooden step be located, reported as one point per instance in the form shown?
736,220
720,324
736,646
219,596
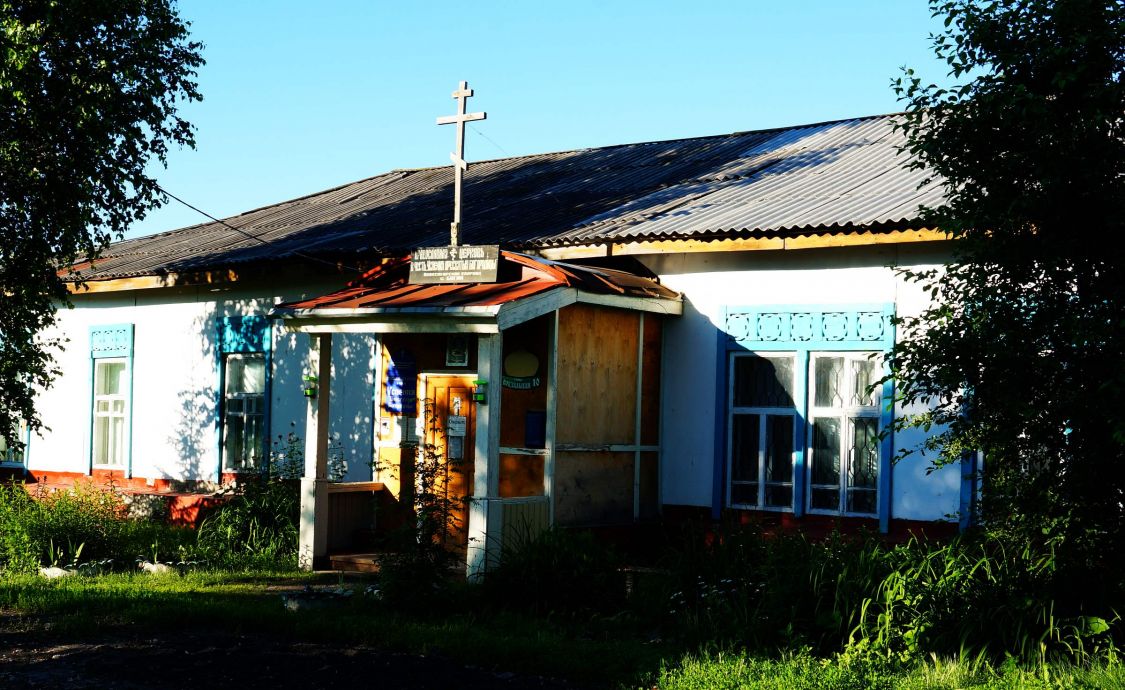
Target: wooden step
355,562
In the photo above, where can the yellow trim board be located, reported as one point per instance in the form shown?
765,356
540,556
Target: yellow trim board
687,246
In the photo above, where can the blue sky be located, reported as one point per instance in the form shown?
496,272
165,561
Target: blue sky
303,96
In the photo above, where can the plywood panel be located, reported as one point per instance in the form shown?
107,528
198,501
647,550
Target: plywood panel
597,370
593,488
650,384
523,521
521,475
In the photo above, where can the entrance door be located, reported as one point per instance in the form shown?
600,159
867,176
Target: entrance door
450,423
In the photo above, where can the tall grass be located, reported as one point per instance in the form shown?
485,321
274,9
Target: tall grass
84,523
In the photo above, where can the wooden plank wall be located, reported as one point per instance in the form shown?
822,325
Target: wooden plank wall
523,521
597,372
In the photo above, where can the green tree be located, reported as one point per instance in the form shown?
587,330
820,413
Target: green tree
1023,353
88,96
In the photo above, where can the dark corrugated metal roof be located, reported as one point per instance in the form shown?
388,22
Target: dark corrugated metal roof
388,286
844,175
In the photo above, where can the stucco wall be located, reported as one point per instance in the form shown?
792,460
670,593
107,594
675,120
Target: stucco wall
175,378
712,281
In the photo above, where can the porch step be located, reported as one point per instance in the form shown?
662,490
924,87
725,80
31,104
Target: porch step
355,562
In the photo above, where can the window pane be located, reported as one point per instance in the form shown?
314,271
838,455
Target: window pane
864,470
744,449
118,407
779,496
763,381
779,448
826,499
865,372
744,494
101,440
253,442
829,372
254,374
233,443
117,444
862,501
109,378
101,406
826,451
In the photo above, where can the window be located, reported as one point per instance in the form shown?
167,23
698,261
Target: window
762,424
804,420
244,403
8,454
844,413
111,404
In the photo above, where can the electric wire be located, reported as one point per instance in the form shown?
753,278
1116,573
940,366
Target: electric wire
294,252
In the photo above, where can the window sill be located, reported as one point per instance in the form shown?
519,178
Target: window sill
765,509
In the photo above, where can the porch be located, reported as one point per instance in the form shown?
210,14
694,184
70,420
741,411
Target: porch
538,393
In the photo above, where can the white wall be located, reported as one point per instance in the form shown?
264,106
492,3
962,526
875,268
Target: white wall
175,378
712,281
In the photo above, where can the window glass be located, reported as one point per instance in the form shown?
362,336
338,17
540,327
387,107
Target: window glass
763,381
111,386
744,459
829,381
865,372
244,411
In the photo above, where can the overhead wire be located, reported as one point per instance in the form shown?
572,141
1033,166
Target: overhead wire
257,238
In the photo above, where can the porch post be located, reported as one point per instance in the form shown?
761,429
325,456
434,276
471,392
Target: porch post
484,505
313,536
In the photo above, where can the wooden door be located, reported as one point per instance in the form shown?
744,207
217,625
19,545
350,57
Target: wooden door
450,425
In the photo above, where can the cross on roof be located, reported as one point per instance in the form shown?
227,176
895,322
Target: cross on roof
458,156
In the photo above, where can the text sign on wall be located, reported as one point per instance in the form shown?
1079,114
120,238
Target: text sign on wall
461,264
402,386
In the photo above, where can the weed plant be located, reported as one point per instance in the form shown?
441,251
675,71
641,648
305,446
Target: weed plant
79,526
255,527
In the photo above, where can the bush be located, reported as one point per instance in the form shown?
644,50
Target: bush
256,527
560,572
82,524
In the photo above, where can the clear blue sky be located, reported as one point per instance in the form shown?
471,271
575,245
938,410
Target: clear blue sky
303,96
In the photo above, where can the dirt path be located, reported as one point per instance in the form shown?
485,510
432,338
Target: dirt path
220,660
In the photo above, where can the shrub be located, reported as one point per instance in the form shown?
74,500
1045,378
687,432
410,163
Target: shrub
560,572
255,527
84,523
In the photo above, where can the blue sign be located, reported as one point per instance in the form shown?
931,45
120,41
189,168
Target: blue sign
402,386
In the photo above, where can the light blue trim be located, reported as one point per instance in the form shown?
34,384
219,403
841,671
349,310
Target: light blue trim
803,329
241,334
111,342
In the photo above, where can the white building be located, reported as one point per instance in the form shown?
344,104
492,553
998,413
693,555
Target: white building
784,246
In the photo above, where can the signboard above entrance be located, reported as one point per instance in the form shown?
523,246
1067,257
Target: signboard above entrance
460,264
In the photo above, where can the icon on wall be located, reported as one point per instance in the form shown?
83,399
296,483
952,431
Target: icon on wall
457,351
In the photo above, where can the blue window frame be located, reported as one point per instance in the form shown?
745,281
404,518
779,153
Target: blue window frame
803,431
243,394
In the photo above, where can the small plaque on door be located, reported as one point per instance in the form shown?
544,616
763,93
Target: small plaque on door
456,425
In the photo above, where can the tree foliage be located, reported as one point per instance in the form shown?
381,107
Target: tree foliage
88,96
1023,353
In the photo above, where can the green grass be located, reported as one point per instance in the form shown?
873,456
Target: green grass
598,651
803,672
250,603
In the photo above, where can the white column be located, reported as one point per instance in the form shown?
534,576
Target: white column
313,535
484,506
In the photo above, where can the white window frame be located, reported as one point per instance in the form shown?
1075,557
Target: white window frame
123,396
8,458
764,413
847,413
261,415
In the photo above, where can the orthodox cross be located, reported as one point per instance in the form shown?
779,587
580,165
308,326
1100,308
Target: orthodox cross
458,156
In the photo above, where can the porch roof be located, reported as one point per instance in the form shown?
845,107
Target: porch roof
529,286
